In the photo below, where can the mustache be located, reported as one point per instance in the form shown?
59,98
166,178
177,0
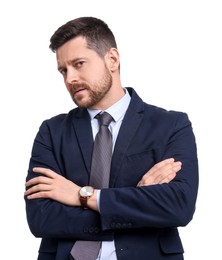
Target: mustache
77,86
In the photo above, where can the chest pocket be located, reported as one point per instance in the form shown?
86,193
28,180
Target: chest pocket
134,166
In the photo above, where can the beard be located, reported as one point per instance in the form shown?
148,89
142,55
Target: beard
96,91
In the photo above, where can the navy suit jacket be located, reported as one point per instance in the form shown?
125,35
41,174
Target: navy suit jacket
142,221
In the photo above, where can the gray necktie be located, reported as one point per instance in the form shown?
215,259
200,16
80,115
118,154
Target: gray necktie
99,178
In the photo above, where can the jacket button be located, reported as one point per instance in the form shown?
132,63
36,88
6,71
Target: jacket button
118,225
91,229
129,225
113,225
97,229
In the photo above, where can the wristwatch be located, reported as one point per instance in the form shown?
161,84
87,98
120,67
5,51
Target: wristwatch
85,193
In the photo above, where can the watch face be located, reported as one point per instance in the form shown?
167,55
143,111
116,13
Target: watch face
86,191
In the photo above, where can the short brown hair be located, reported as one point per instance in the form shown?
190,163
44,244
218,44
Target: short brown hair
98,35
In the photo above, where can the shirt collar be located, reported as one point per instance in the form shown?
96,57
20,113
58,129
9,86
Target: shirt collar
117,110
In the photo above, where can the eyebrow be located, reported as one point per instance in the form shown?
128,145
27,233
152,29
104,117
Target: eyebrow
71,62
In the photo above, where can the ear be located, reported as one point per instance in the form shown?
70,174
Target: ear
113,59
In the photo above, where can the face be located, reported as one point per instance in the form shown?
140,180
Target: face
85,73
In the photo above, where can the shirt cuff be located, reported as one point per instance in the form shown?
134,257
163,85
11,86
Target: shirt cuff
98,199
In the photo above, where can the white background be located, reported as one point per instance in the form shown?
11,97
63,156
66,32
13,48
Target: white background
171,53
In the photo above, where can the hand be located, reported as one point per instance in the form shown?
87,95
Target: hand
52,186
162,172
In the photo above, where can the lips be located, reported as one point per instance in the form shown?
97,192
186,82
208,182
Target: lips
78,88
76,92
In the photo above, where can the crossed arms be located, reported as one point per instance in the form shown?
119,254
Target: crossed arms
52,185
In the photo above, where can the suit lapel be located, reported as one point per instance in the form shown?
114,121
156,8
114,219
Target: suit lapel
128,129
83,129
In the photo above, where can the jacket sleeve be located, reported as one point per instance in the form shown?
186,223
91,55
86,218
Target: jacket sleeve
49,218
162,205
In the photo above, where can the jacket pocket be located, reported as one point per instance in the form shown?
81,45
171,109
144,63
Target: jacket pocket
170,242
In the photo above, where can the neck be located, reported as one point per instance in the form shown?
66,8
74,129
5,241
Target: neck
113,96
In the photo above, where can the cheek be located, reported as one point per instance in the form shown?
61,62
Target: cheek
67,86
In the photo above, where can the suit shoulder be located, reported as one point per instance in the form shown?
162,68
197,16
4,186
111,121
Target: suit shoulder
61,119
149,108
138,104
160,114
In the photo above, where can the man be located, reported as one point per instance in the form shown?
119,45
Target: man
153,179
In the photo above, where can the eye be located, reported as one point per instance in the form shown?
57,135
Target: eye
63,71
79,64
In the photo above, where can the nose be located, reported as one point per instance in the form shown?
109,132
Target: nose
72,76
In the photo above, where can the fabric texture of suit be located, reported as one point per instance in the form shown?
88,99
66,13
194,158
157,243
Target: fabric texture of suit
142,221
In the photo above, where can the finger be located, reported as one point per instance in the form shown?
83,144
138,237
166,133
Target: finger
161,164
165,168
38,180
47,172
162,173
37,188
39,195
169,178
177,166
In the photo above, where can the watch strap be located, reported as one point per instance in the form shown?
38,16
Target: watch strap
83,201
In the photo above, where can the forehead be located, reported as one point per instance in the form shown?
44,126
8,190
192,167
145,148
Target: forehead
73,49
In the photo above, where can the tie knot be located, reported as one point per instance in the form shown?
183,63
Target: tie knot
104,118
